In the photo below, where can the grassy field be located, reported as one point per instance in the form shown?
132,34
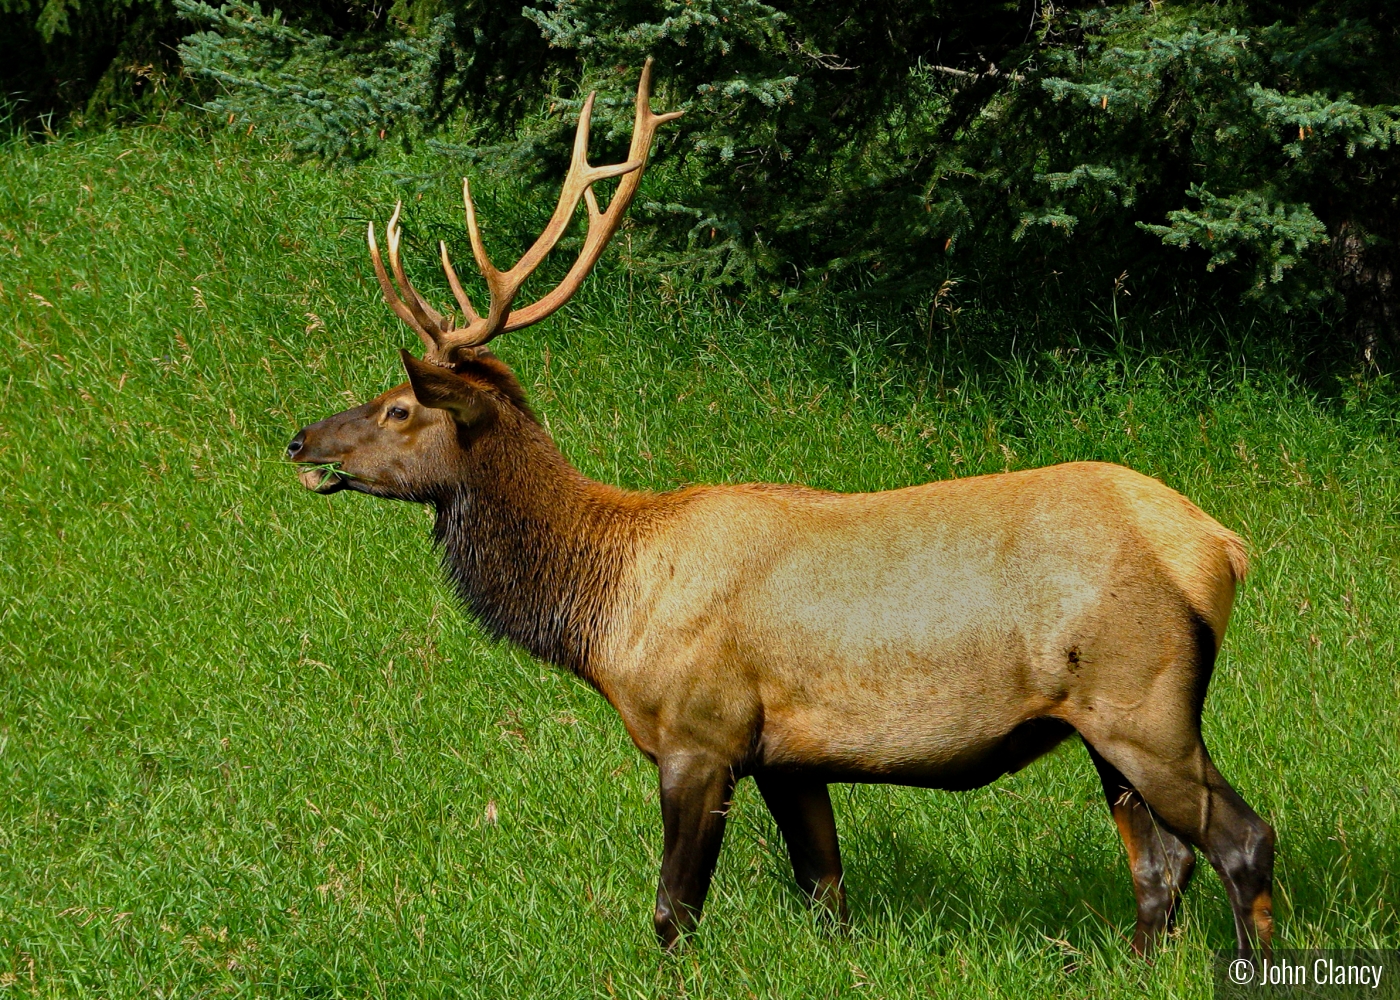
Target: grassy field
249,745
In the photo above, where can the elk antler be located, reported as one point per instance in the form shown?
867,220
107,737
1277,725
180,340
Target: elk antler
439,335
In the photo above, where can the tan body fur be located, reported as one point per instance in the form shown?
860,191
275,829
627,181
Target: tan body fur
901,636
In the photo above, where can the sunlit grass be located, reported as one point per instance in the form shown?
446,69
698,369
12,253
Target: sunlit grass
249,743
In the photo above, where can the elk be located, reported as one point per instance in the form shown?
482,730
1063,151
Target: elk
940,635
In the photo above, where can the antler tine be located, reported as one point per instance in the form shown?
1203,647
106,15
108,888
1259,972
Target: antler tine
497,284
434,330
457,293
602,225
505,285
430,319
386,286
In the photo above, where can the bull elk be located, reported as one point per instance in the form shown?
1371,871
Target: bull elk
940,635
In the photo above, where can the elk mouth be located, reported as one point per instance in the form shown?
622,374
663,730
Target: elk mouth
323,478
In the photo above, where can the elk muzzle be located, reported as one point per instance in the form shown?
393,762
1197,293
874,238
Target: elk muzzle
319,451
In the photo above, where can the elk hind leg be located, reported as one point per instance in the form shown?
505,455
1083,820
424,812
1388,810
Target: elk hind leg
802,810
1161,862
1183,788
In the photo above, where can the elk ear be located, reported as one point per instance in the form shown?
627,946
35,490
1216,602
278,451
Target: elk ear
442,390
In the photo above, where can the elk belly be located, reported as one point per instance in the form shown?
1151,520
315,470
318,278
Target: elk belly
915,659
896,715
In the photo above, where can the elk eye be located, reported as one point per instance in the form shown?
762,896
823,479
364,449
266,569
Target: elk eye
398,413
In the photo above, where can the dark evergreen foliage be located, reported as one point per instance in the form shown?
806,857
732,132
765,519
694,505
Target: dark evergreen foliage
85,59
92,61
1244,147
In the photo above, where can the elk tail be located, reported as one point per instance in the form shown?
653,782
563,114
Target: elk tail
1234,550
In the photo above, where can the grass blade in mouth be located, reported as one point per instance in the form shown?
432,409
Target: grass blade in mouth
332,468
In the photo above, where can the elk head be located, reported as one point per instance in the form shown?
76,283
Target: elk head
407,442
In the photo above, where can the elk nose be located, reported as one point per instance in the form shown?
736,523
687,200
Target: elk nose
297,444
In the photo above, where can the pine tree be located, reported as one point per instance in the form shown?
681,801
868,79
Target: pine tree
871,146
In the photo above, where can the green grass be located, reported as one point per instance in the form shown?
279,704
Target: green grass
249,744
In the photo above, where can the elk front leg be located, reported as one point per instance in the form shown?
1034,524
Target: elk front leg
802,810
695,792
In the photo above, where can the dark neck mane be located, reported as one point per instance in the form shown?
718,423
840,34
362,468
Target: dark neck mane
536,549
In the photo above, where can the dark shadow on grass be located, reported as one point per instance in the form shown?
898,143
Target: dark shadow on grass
1085,896
913,883
977,333
1037,855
